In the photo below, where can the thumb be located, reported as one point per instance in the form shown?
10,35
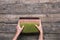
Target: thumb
36,26
22,26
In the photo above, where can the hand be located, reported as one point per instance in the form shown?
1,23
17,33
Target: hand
19,29
40,27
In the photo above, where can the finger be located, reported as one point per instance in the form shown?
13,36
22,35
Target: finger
16,27
19,22
22,26
40,23
36,26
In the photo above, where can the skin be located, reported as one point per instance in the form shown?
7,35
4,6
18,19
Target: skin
19,30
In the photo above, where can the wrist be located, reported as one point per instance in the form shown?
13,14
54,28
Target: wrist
14,39
41,32
18,32
16,35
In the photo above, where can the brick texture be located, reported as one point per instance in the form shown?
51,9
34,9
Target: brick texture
47,10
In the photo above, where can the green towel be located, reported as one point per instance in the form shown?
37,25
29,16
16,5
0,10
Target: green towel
29,27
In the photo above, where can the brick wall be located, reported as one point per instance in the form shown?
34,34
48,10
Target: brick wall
12,10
